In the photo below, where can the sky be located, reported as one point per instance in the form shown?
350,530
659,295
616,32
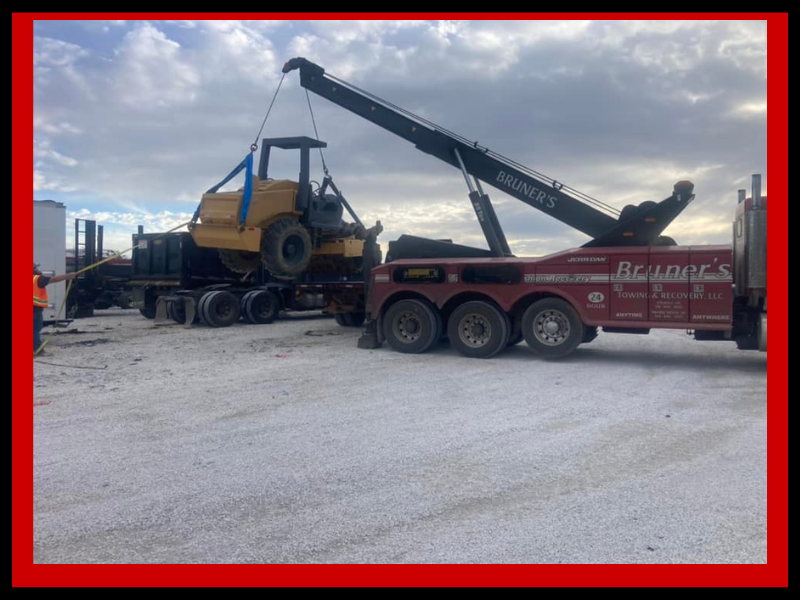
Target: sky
134,120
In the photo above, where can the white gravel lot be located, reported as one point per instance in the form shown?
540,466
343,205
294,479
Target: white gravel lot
285,443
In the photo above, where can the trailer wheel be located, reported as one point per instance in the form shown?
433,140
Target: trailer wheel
552,328
262,306
410,326
177,312
220,309
478,329
201,306
243,305
149,311
286,248
124,300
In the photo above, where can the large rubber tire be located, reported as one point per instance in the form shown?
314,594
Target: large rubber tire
240,261
124,300
286,248
243,305
552,328
262,307
221,309
201,307
353,319
177,312
478,329
149,311
410,326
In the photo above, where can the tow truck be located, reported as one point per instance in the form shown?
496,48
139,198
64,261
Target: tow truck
629,278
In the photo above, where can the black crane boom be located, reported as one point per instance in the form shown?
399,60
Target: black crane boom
640,225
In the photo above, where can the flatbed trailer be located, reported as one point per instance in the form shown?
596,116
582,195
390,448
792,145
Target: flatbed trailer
175,279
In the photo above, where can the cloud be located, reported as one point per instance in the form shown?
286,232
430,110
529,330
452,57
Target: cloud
143,118
151,72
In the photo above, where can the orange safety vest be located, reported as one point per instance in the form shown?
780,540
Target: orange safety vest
39,294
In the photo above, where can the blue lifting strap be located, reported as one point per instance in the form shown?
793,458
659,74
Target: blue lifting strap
246,164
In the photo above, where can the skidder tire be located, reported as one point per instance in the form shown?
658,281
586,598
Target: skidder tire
552,328
221,309
262,307
239,261
410,326
478,329
286,248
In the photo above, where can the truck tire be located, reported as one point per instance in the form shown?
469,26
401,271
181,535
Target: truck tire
201,305
177,312
220,309
353,319
286,248
478,329
149,311
124,300
262,307
411,326
552,328
239,261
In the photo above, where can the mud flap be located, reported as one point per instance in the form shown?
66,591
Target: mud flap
191,310
161,311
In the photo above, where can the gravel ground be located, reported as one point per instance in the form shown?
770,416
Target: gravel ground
285,443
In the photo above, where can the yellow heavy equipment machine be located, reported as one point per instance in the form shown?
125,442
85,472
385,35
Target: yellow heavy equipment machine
288,226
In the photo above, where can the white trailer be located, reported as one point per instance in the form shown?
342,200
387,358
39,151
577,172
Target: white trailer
50,250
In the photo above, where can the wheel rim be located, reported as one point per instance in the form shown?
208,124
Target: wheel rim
474,330
223,309
293,249
264,307
407,327
551,327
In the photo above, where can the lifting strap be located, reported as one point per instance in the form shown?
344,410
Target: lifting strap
246,164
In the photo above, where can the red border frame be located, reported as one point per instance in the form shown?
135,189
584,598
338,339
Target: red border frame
25,573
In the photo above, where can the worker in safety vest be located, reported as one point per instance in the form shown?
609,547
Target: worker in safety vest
40,283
